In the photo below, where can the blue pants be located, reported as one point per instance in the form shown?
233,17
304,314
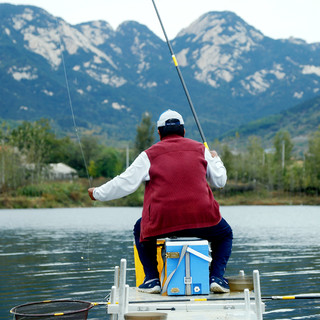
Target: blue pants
219,236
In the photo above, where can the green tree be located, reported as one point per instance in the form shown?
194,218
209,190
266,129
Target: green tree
72,156
35,142
108,163
90,148
282,157
228,161
294,177
61,150
268,177
12,171
312,162
255,158
70,152
145,133
11,168
283,148
92,169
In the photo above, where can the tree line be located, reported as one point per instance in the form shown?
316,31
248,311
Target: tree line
27,150
276,169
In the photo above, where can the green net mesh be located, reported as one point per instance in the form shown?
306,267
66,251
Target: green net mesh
54,309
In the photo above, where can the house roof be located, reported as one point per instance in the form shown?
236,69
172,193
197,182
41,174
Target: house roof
62,168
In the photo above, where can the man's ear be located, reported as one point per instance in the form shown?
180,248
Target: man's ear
184,132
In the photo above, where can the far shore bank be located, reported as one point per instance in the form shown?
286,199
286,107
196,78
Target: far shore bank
74,194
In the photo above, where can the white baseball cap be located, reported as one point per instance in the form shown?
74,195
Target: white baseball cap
168,115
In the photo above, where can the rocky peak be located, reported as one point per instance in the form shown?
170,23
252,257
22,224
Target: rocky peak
97,31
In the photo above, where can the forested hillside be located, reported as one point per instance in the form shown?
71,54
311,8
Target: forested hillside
299,121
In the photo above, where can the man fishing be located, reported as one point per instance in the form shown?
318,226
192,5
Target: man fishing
177,201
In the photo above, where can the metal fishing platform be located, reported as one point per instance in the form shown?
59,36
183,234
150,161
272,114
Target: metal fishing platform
124,301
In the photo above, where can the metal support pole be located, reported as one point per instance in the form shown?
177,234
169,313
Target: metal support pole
257,294
126,300
247,303
113,301
116,276
122,284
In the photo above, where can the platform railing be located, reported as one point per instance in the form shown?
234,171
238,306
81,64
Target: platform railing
119,303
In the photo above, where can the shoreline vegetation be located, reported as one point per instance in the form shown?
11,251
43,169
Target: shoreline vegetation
71,194
40,170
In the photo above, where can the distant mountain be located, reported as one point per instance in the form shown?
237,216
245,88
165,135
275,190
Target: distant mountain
233,72
299,121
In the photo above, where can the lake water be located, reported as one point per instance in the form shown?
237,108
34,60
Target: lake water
71,253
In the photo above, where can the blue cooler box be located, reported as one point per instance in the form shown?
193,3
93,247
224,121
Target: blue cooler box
187,266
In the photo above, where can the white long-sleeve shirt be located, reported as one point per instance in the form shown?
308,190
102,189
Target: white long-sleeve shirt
129,181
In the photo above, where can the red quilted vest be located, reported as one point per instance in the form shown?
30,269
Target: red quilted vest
177,197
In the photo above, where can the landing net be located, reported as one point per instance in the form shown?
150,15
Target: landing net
53,309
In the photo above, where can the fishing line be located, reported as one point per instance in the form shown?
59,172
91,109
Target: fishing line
77,133
71,108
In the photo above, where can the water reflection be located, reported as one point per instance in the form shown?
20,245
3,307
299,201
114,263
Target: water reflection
71,253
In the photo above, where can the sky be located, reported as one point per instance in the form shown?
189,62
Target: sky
277,19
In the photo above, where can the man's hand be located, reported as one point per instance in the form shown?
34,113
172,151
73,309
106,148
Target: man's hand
213,153
90,192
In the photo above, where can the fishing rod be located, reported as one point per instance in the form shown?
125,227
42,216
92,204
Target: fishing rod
295,297
288,297
161,301
181,79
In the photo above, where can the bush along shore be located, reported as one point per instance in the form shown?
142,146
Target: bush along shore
31,154
65,194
